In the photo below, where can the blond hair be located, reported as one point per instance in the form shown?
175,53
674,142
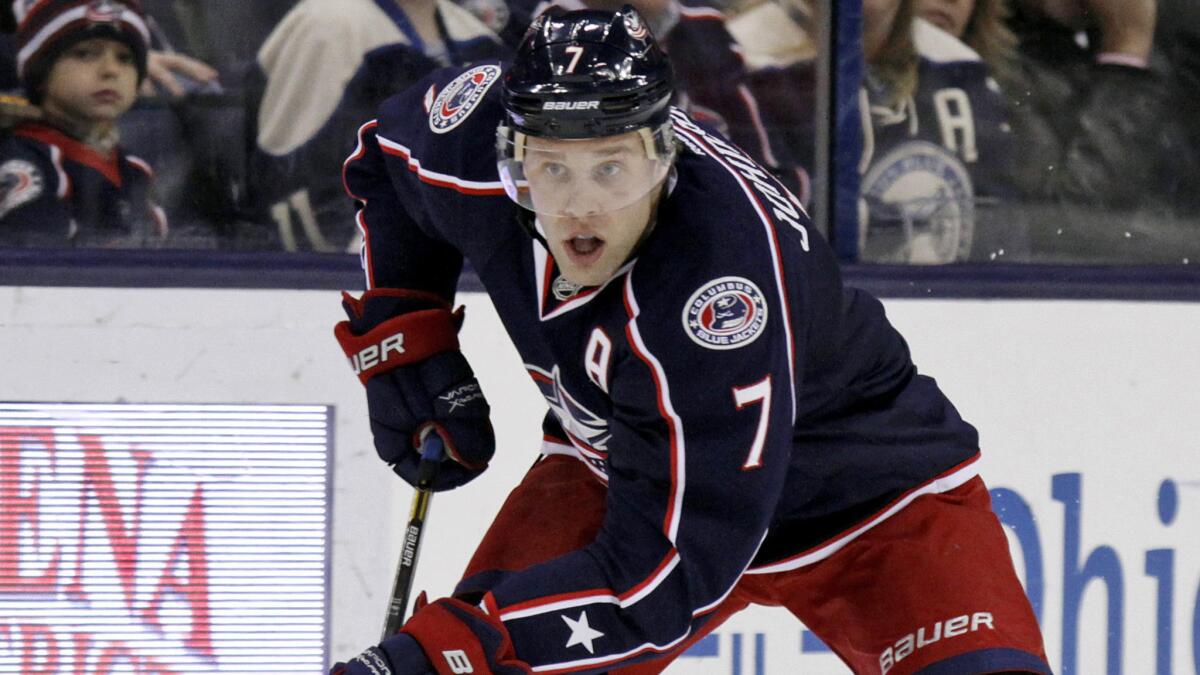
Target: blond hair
895,64
989,35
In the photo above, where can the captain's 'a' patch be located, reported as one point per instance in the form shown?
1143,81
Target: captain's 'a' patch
725,313
456,101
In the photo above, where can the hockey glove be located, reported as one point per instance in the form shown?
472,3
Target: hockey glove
447,637
404,347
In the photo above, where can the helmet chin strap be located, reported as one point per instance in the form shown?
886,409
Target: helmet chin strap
528,221
667,185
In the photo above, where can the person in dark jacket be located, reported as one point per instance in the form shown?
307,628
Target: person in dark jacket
64,179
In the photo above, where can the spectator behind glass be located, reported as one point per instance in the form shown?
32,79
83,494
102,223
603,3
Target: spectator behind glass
325,68
1102,149
937,147
983,26
64,180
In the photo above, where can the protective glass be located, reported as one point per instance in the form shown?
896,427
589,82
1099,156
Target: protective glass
574,178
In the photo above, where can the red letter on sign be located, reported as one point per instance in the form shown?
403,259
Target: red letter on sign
189,545
19,507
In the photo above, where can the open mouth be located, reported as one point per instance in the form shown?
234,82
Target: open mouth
583,249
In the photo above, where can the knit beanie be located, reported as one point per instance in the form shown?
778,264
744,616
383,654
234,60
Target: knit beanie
47,28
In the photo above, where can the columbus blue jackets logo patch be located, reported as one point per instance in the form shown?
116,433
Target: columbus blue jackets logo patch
460,97
725,313
918,206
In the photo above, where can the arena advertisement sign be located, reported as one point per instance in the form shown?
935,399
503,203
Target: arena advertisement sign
163,538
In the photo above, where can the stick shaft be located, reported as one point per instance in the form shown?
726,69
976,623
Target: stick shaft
431,456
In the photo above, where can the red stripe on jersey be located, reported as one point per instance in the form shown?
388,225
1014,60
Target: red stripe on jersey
533,606
546,274
436,179
368,263
773,238
76,151
592,664
360,151
554,440
760,130
821,551
669,560
674,426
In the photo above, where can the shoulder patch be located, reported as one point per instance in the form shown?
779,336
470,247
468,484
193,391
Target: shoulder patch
725,313
456,101
20,183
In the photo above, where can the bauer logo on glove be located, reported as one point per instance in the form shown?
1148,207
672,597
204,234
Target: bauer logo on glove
404,347
372,355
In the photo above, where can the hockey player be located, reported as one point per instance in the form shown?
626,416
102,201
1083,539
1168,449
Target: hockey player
64,180
728,425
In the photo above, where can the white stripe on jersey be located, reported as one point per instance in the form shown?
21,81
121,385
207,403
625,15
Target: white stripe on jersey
776,257
944,483
438,178
678,449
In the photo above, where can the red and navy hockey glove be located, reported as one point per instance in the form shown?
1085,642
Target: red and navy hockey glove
404,347
448,637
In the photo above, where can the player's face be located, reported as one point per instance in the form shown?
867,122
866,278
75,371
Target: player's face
594,199
93,82
951,16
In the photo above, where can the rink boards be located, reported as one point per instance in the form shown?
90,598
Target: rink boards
1087,412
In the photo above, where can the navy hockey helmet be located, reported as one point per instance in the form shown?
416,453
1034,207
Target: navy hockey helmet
588,73
580,77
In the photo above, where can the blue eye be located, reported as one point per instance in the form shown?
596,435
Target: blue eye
554,169
609,169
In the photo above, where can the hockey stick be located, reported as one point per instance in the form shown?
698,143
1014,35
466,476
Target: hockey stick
431,458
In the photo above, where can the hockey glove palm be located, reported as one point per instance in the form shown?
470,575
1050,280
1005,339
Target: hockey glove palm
404,347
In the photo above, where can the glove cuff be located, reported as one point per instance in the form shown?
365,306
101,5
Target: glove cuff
399,341
444,632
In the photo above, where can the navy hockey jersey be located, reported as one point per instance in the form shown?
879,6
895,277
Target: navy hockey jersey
56,191
747,413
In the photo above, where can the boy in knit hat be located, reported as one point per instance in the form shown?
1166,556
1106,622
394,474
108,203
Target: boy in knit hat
63,177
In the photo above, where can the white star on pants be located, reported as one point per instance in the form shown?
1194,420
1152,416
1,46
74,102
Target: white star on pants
581,632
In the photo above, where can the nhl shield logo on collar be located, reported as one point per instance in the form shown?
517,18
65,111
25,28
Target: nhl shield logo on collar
460,97
725,313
